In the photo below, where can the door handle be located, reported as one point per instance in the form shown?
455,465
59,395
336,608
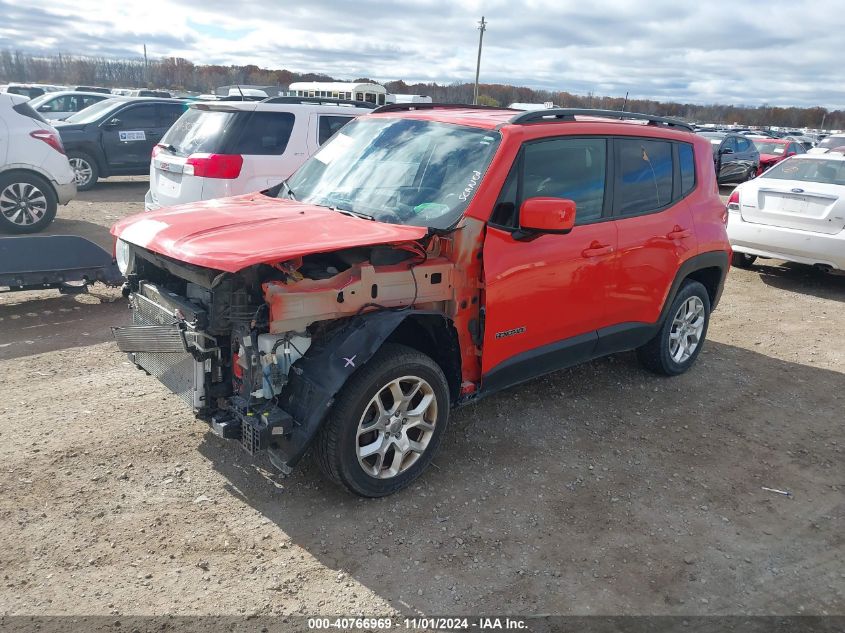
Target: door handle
678,233
597,249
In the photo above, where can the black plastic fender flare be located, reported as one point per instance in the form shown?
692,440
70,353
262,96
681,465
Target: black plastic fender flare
316,378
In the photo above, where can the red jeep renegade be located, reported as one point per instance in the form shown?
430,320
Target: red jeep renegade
426,256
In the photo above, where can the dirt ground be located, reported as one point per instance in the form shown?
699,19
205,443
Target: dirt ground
598,490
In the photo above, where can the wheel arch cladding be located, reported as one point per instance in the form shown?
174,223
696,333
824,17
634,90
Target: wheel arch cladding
710,269
317,377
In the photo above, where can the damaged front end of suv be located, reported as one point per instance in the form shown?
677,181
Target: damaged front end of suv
259,310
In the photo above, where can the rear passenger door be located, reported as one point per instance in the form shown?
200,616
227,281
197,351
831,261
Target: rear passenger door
654,224
545,297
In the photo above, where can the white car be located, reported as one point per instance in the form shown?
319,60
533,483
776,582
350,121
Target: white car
57,106
794,211
227,148
35,175
832,142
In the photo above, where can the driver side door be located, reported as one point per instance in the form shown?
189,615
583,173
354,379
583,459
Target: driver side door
545,295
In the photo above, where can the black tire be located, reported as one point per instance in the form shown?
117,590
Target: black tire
36,191
88,164
656,355
337,444
743,260
752,173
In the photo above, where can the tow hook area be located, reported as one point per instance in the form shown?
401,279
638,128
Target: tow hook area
256,430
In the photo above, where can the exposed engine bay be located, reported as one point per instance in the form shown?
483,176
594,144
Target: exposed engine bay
257,353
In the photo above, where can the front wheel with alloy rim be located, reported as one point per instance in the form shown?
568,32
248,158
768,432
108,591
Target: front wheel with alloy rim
681,336
27,203
386,423
85,170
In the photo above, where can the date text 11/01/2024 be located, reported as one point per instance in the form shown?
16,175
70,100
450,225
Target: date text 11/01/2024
421,623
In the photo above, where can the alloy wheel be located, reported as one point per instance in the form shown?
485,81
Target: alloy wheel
396,427
82,171
687,328
23,203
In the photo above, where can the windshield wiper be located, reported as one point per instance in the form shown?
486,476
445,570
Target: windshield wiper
356,214
290,193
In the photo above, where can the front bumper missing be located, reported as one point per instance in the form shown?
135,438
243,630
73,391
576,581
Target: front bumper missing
168,347
181,357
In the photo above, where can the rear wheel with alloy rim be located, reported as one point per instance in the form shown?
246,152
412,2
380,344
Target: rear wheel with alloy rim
27,203
680,338
84,169
386,423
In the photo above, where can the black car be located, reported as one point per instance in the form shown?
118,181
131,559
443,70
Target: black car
735,157
115,137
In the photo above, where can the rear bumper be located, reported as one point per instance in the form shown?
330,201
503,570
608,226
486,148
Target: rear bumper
149,203
794,245
66,192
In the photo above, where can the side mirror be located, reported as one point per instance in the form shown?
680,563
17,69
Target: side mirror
726,150
112,123
790,153
546,215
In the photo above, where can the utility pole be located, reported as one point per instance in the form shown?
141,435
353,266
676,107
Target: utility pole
482,26
144,80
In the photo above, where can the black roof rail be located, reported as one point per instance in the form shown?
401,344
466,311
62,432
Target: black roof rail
400,107
568,115
320,101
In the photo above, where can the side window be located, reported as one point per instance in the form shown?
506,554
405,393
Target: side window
84,101
59,104
743,144
328,125
644,178
168,113
572,168
262,133
505,213
686,157
138,117
730,143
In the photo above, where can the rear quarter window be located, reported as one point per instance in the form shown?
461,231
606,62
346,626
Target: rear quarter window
261,133
329,124
686,158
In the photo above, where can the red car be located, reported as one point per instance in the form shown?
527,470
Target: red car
774,150
428,255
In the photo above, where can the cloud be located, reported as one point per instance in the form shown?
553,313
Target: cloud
779,52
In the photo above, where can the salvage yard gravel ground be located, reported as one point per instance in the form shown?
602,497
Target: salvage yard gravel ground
598,490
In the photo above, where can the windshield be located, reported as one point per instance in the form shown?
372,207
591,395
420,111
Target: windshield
829,172
94,112
833,141
769,147
401,171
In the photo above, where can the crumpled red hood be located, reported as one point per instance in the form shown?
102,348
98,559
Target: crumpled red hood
231,234
770,158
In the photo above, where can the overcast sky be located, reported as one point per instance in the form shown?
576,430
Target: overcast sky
780,52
